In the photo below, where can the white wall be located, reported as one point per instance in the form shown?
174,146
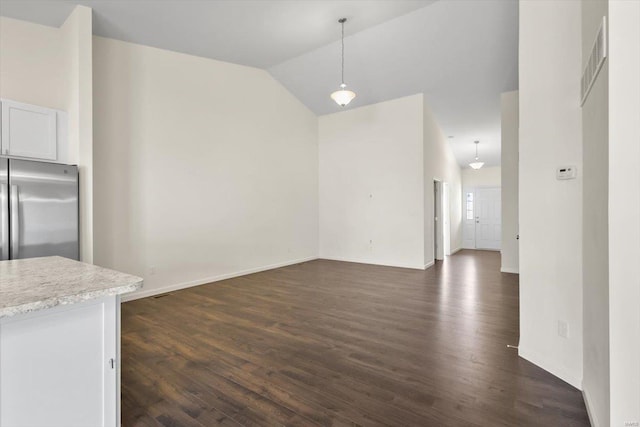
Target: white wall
51,67
440,164
624,211
550,211
595,251
377,167
33,64
484,177
77,31
203,169
509,170
371,184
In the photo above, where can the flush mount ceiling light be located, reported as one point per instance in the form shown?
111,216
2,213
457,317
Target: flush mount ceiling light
343,96
476,164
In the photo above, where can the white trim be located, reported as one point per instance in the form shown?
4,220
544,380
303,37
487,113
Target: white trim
414,267
587,403
550,367
513,270
481,249
456,250
429,264
489,185
204,281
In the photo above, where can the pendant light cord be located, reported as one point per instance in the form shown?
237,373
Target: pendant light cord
342,52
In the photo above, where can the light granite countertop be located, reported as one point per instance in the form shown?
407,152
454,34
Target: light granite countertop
39,283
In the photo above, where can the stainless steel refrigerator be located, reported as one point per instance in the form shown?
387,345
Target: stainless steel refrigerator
38,209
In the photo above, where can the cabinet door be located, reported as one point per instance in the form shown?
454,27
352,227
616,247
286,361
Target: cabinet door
58,366
28,131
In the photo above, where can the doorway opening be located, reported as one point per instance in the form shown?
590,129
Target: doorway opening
446,229
442,232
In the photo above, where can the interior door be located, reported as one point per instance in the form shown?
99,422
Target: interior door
488,218
4,209
43,209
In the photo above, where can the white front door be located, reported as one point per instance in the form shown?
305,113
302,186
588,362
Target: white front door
488,218
468,220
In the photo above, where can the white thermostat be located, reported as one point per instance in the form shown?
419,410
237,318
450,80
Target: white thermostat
566,172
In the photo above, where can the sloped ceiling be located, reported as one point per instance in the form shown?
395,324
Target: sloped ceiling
461,53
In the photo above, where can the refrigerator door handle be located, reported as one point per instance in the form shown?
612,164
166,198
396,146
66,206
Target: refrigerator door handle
15,223
4,221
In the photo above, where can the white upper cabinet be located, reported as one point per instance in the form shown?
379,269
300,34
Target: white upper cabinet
33,132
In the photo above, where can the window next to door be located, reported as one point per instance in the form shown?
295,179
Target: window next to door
469,206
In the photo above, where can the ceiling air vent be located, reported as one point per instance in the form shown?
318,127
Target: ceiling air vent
596,59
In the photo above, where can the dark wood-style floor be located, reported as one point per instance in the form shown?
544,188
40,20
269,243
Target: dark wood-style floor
333,343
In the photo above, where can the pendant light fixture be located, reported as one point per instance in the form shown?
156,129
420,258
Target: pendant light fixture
343,96
476,164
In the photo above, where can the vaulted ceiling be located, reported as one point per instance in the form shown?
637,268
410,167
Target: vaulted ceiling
461,53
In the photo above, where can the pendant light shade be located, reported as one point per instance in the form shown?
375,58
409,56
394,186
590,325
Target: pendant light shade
476,164
343,96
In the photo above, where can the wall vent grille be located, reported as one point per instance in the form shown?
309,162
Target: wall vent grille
162,295
595,61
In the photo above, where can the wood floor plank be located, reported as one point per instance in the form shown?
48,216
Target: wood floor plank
327,343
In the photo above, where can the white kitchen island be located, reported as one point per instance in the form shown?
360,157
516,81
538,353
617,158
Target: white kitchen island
60,343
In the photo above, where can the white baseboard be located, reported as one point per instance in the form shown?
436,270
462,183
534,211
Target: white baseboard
456,250
587,402
513,270
189,284
542,362
429,264
358,261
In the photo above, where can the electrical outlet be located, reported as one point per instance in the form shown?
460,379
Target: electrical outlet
152,270
563,329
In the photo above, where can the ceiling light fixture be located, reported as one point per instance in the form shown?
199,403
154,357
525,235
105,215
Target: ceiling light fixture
343,96
476,164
